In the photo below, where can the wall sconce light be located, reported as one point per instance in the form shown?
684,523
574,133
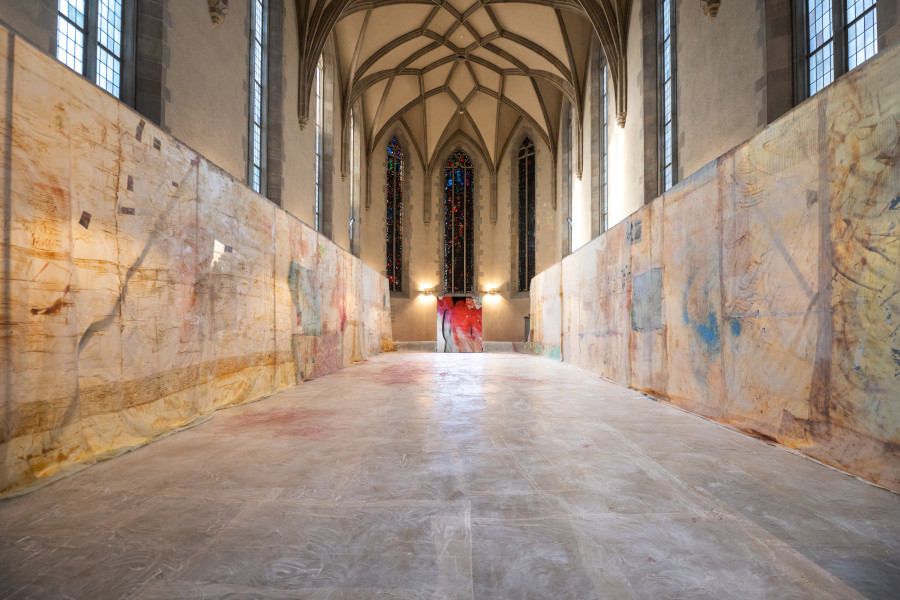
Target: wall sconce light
428,292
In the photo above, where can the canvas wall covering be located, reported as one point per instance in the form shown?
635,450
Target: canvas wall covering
141,285
764,290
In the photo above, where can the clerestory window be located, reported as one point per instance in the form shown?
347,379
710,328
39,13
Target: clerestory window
91,40
320,96
839,35
257,92
668,147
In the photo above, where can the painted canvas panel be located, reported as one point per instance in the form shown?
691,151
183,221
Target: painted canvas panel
546,313
145,287
459,324
691,283
861,402
647,352
771,251
595,300
779,267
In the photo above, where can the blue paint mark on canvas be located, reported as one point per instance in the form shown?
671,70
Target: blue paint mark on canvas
735,327
684,302
709,333
895,203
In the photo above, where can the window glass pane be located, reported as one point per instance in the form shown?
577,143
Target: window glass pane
604,157
319,93
73,10
109,70
820,28
394,216
459,239
526,245
668,94
69,45
109,26
862,32
256,94
821,69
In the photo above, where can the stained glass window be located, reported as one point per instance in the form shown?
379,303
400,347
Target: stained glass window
394,216
526,214
459,224
89,40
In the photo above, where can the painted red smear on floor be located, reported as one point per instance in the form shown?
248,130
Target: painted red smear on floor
401,375
519,379
284,422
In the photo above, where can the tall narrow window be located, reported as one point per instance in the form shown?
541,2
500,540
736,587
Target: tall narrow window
526,214
394,216
354,194
839,34
821,45
320,93
667,79
257,93
459,224
604,151
89,40
862,31
567,173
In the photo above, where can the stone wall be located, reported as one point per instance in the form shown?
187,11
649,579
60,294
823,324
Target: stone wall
764,290
141,286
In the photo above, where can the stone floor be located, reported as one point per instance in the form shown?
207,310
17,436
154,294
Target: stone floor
454,476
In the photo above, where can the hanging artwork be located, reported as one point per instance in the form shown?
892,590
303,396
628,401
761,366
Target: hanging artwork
459,220
459,324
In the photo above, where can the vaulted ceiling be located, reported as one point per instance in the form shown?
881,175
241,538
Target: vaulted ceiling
471,69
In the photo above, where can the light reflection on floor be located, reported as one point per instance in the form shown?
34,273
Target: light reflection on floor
454,476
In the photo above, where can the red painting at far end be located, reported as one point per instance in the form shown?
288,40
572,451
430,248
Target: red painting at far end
459,324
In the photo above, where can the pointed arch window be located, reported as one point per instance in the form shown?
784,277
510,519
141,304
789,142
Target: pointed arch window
526,214
394,216
459,224
320,93
604,152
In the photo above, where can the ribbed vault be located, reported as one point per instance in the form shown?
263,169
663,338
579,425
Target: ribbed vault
477,68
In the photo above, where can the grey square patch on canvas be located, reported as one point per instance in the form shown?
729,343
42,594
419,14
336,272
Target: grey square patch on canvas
646,301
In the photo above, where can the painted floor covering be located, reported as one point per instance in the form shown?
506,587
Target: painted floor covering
454,476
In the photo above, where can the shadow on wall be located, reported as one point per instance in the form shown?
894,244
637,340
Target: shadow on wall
764,290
